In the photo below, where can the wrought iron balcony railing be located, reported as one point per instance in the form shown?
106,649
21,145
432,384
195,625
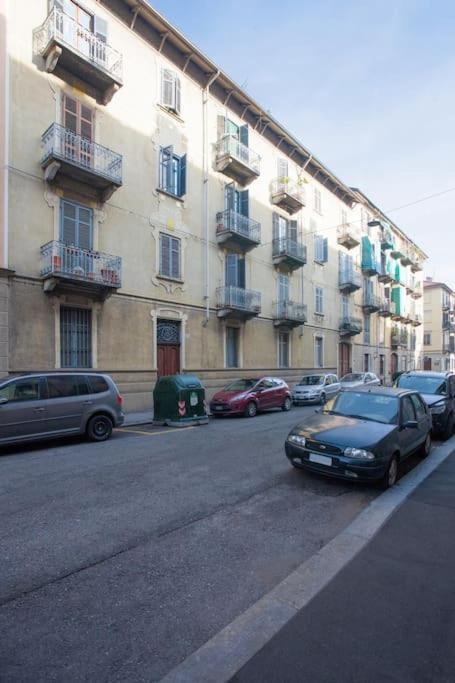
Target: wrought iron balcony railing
348,235
237,298
287,194
350,279
68,262
230,221
371,301
285,247
350,326
291,311
62,144
230,147
63,29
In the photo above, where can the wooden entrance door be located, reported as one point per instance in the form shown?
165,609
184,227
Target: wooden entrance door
168,347
427,363
344,359
393,364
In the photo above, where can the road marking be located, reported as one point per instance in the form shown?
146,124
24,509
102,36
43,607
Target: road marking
163,431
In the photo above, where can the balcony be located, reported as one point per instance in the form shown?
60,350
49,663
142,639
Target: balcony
406,259
396,253
350,280
289,314
416,265
399,339
371,302
416,319
386,239
66,268
237,303
370,266
69,158
348,236
289,253
66,45
386,308
417,290
236,160
385,274
350,326
287,195
237,231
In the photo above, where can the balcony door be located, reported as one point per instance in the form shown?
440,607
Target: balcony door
76,234
237,205
235,271
283,293
78,120
76,26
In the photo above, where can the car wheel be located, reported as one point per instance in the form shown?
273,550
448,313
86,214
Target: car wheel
426,446
251,409
287,404
99,428
448,430
391,475
323,399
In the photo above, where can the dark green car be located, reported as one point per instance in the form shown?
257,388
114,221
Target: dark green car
363,435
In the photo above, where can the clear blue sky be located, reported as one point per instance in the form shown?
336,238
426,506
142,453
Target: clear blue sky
368,86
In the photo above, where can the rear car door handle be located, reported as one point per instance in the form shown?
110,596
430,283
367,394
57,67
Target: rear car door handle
39,410
88,403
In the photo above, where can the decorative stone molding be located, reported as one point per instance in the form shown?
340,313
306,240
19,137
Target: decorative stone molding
169,313
170,286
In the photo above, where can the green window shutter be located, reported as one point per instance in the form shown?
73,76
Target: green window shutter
367,255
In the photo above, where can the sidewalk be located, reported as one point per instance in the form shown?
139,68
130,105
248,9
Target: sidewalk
133,419
388,615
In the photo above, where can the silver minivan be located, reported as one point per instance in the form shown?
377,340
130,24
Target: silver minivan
315,388
46,405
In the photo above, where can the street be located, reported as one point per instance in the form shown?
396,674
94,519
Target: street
119,559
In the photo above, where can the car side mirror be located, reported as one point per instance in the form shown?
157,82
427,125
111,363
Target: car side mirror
410,424
3,400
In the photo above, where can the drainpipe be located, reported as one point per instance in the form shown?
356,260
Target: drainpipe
5,134
205,190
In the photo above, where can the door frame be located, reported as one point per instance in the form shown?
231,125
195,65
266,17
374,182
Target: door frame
175,315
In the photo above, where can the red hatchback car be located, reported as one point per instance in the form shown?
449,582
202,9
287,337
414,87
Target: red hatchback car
248,396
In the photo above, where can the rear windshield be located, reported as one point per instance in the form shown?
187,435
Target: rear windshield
376,407
353,377
312,380
241,385
98,384
423,384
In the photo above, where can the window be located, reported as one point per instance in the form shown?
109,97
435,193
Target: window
76,225
232,347
321,249
170,90
427,339
344,216
366,362
367,329
283,170
170,256
97,384
407,409
236,200
78,118
381,324
319,352
419,406
26,389
317,200
319,301
63,386
283,288
172,172
283,350
75,337
235,271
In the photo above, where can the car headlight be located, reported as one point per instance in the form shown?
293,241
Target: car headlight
299,440
358,453
438,410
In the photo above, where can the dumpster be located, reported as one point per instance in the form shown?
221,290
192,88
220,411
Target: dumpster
179,400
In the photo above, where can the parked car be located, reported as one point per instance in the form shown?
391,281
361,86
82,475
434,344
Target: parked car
438,391
362,435
251,395
358,379
46,405
316,388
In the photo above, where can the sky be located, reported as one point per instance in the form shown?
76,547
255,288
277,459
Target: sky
367,86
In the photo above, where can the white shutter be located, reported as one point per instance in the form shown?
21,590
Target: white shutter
167,89
177,94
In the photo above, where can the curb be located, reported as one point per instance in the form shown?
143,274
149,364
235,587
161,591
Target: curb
223,655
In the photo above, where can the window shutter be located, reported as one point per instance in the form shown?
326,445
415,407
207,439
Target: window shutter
244,203
100,28
84,228
243,135
317,248
182,174
231,270
325,250
175,257
164,254
229,198
276,226
177,94
68,223
167,89
221,127
292,230
241,272
283,170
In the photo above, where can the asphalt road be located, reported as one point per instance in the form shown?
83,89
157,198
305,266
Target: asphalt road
120,559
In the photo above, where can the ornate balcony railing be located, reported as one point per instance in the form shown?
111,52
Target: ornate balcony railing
288,194
371,301
234,222
350,278
283,246
60,27
68,262
287,310
61,143
230,146
350,325
237,298
348,235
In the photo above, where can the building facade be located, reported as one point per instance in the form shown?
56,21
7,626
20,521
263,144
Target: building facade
439,326
156,219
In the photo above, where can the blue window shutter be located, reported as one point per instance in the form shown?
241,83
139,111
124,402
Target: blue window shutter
164,255
276,226
325,248
182,174
229,196
243,135
244,203
231,270
241,272
292,231
175,257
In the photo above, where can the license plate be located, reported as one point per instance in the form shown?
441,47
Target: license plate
218,407
320,459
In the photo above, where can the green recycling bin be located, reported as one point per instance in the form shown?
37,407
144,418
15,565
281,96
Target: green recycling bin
179,400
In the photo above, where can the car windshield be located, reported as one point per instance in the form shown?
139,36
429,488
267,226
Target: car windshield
376,407
241,385
312,380
422,383
353,377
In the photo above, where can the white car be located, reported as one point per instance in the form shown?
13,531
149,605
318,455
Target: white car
316,388
359,379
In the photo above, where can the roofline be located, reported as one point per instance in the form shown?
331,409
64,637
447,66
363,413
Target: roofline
428,284
388,220
148,12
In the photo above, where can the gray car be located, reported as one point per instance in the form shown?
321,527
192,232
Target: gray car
354,380
315,388
46,405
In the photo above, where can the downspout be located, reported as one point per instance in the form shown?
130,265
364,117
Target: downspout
205,191
5,160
